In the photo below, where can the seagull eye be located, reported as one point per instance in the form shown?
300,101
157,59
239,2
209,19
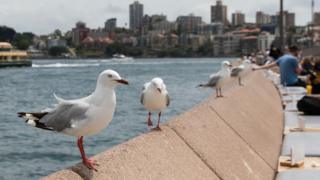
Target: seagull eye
110,76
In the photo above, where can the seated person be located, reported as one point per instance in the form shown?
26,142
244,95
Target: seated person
289,68
307,65
315,78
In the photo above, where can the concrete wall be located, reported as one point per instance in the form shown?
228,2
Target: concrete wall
236,137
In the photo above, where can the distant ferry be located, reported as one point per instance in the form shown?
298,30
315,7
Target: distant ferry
12,58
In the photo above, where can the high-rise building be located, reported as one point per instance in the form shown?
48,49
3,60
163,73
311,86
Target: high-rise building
189,24
274,19
110,25
219,13
262,18
136,15
290,19
316,18
79,33
238,19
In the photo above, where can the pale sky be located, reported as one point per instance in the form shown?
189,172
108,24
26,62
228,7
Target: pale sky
44,16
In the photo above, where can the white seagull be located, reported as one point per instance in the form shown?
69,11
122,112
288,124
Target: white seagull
240,70
218,79
155,98
81,117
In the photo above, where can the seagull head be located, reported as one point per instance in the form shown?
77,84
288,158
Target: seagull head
157,84
111,78
226,65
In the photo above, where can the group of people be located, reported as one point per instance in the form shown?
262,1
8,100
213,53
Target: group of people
292,66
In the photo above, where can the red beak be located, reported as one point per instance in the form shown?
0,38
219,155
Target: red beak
122,81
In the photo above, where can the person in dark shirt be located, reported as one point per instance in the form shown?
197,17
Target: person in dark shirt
275,53
307,65
315,77
289,68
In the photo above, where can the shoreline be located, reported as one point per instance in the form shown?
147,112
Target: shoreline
106,58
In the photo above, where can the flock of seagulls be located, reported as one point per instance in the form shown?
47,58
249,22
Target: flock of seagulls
89,115
219,79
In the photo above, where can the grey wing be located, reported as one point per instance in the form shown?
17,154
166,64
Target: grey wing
168,100
213,81
63,115
235,71
142,98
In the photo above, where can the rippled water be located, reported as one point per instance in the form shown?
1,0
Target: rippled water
29,153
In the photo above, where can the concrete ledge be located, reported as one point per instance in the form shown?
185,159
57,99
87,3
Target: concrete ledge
236,137
64,175
254,112
154,155
219,146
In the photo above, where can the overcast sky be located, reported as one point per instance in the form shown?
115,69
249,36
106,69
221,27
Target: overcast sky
44,16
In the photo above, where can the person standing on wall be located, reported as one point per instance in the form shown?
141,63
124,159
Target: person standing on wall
289,67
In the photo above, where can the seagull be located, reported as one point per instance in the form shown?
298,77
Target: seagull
155,98
240,70
218,79
81,117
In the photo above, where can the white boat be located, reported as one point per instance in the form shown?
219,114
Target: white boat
121,57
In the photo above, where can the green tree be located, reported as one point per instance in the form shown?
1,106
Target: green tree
57,51
115,48
7,34
24,40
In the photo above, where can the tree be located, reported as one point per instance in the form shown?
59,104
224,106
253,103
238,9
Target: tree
115,48
57,51
24,40
7,34
57,33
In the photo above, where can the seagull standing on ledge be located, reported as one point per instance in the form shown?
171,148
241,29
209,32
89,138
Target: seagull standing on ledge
81,117
155,98
240,70
218,79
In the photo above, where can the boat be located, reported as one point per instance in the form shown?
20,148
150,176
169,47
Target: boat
12,58
121,57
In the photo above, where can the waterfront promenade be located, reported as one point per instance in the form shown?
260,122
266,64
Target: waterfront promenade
235,137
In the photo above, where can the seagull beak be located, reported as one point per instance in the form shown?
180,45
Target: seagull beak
159,90
122,81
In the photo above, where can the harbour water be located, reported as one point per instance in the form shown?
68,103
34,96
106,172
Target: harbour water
30,153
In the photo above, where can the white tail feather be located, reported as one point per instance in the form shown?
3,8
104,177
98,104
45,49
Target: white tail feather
31,122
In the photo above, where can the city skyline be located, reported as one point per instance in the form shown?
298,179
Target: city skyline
35,16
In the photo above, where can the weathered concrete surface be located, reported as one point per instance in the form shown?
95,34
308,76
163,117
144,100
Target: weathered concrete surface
63,175
219,146
155,155
254,112
236,137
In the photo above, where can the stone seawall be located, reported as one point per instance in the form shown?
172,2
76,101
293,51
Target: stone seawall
236,137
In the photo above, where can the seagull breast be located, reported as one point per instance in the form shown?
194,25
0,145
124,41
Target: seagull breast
155,101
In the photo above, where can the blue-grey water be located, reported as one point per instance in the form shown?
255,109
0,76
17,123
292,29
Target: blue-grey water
30,153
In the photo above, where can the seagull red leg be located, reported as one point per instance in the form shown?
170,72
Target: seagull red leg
149,120
158,125
87,162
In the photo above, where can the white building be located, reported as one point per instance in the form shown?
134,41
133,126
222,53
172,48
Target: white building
265,40
56,42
